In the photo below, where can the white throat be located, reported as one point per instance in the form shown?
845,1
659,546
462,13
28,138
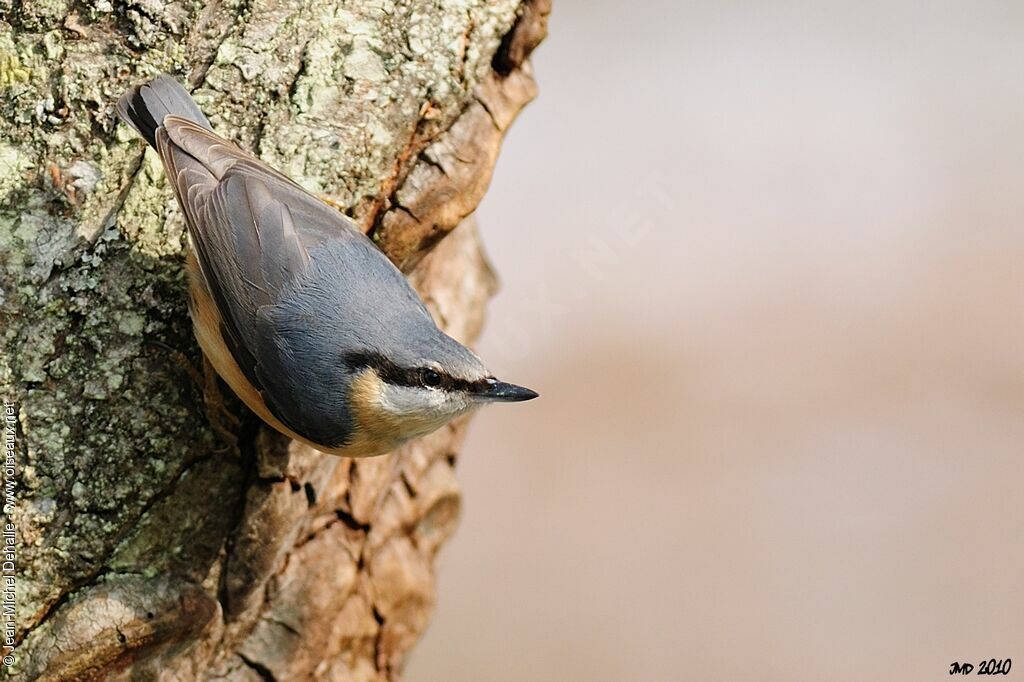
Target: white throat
423,409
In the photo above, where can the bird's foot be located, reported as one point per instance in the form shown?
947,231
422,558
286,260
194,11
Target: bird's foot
223,421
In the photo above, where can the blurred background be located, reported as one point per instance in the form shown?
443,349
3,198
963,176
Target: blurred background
764,265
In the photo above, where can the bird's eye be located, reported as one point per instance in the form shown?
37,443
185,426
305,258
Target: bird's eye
431,378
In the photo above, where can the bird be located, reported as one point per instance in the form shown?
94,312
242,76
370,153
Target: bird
297,310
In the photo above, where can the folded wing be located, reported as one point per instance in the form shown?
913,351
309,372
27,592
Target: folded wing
252,229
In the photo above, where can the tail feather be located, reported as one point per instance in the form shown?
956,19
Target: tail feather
144,106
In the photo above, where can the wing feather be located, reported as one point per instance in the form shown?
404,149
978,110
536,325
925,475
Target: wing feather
251,227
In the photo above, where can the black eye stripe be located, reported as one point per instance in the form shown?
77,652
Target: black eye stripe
414,376
387,370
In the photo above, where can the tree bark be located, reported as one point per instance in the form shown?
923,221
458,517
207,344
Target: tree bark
144,551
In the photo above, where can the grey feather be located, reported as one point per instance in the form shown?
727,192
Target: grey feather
145,107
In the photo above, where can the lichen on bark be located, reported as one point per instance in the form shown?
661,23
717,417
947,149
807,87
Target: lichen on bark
144,550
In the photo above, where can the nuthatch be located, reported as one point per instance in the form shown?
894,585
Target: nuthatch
299,312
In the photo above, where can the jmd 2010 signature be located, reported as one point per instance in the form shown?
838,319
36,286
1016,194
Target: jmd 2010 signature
989,667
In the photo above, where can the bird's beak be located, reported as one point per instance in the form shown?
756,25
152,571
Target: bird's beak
499,391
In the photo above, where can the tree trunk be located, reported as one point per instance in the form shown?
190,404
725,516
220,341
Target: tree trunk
143,549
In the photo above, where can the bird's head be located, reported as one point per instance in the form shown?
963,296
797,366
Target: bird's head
394,399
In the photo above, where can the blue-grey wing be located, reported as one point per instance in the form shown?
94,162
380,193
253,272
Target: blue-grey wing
252,230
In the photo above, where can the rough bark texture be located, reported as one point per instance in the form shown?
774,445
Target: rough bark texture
144,551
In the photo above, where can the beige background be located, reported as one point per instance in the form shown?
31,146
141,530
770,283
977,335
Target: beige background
766,267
